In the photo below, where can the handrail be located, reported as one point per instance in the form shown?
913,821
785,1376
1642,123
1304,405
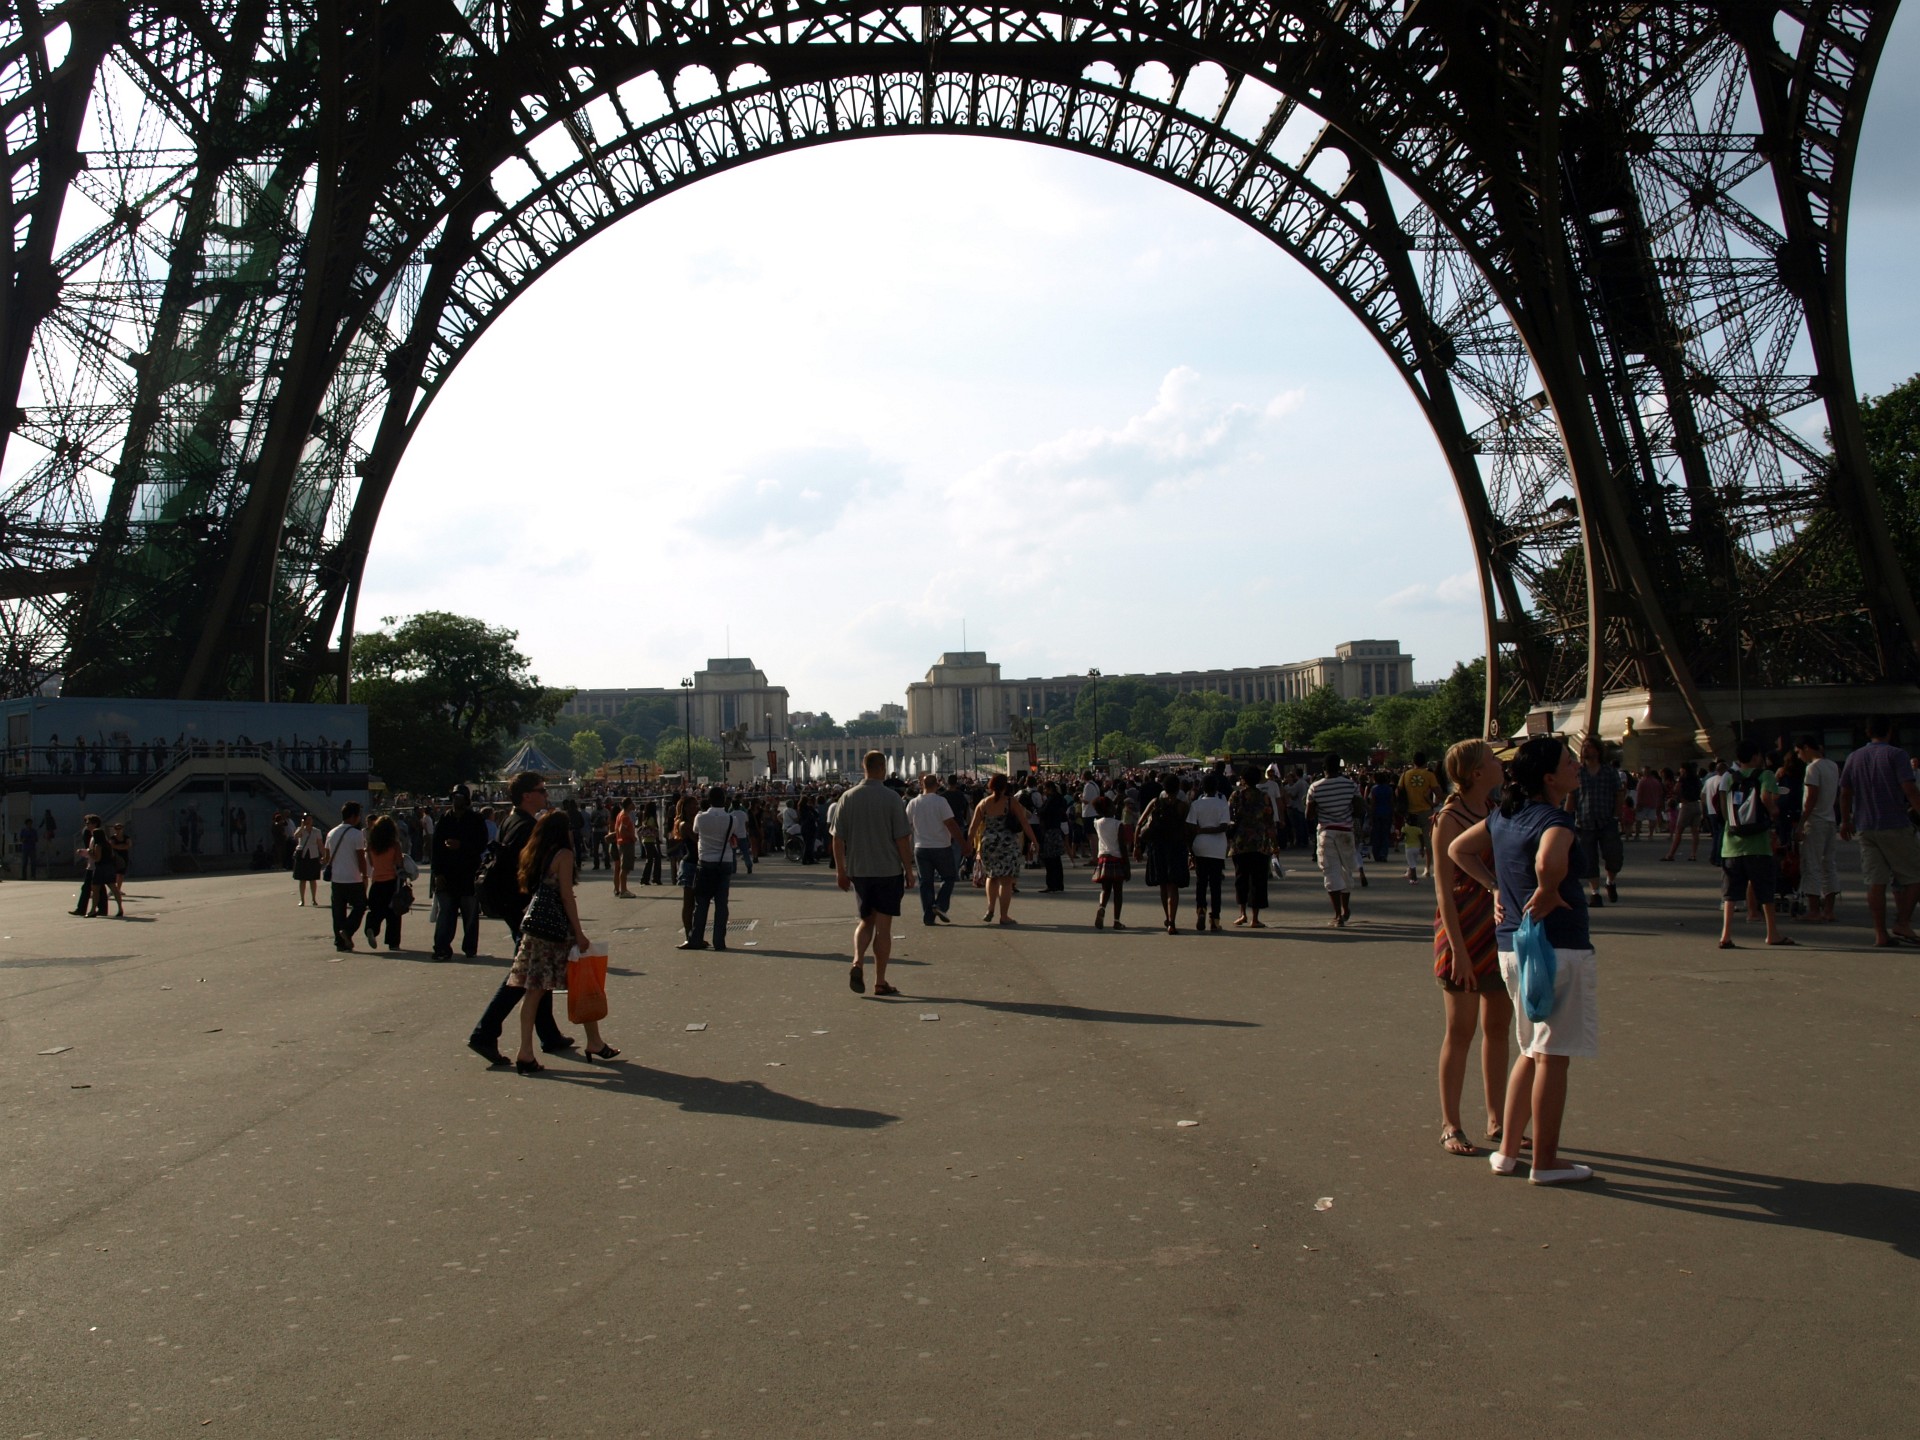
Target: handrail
104,760
292,782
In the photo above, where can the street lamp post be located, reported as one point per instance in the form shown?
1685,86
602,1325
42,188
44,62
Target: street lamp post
768,717
1094,751
686,714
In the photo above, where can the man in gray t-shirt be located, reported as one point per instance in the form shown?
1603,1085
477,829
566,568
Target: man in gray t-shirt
1876,791
873,857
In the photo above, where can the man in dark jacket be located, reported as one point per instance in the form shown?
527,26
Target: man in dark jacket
458,845
528,792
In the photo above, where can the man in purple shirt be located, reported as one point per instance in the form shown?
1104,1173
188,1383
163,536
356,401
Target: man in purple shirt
1876,790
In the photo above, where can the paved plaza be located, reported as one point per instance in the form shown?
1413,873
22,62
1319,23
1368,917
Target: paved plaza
261,1191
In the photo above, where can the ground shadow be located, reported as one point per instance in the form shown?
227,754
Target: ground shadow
425,957
41,962
1043,1011
1881,1213
843,957
704,1095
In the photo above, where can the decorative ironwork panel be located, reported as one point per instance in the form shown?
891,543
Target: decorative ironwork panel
1602,244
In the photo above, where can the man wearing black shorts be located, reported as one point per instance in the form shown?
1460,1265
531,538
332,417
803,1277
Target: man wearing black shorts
873,857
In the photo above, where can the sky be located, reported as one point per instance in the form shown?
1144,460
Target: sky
837,410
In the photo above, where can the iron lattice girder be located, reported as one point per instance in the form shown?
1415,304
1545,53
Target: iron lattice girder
423,103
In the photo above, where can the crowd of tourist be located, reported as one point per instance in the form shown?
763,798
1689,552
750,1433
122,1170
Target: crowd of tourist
1531,844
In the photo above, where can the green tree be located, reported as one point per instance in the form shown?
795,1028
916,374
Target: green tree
646,717
1119,748
589,750
1198,721
633,747
1350,742
1299,720
1148,719
871,726
1252,729
822,728
1403,723
1458,709
556,748
670,754
1892,425
443,692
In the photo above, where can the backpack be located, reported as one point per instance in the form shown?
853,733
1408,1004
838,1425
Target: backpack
498,881
497,884
1746,816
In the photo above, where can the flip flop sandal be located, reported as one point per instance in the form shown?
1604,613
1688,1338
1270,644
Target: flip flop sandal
1784,940
1453,1133
883,988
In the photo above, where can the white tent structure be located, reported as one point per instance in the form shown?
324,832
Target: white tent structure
529,757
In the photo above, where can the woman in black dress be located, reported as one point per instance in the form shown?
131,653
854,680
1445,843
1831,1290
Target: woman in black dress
1164,838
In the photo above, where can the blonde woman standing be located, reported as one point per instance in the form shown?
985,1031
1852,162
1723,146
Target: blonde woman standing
1466,965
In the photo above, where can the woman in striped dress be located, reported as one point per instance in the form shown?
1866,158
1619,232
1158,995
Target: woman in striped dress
1466,965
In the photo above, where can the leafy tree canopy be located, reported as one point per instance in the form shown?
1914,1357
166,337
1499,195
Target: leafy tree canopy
1892,425
556,748
443,692
1350,742
822,728
670,754
589,750
645,717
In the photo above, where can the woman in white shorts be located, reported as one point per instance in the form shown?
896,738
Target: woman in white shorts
1534,868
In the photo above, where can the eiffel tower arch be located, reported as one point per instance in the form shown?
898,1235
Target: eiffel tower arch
251,239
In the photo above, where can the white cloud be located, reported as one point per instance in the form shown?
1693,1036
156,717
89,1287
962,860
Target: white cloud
1457,591
840,400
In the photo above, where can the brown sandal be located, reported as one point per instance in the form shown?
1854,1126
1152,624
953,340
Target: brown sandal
1454,1141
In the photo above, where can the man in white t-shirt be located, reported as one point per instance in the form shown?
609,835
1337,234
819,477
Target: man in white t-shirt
1819,830
1211,817
712,871
346,852
935,833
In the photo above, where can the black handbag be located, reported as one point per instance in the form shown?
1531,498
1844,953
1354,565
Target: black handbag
546,917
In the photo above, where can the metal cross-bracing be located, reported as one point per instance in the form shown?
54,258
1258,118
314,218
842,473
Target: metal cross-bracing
1602,244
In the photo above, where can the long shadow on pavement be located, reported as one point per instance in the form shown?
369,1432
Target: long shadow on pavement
1080,1012
704,1095
1881,1213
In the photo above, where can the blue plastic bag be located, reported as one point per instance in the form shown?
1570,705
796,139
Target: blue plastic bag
1533,954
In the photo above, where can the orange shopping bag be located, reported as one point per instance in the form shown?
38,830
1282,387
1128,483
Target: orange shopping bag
587,986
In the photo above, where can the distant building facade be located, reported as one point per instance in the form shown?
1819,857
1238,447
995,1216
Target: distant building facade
607,704
962,711
729,692
964,693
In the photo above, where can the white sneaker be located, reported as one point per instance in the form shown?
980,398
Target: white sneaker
1503,1164
1564,1175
